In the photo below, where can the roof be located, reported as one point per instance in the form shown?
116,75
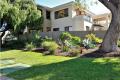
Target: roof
45,7
65,4
102,15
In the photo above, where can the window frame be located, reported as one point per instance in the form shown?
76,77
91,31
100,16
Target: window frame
61,13
56,28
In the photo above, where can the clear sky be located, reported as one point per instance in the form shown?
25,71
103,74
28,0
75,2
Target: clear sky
95,8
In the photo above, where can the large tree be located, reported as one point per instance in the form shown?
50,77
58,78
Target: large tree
21,13
113,33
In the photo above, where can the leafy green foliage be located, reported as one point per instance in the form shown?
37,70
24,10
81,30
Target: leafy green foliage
76,40
29,46
65,35
69,39
48,39
65,48
50,45
15,44
93,38
35,39
4,6
21,13
88,44
74,52
80,5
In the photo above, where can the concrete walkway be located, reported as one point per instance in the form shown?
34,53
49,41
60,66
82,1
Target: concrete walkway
10,66
5,78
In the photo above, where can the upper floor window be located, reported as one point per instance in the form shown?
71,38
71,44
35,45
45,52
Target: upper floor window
47,14
61,13
88,18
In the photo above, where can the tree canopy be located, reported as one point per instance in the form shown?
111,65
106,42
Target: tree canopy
21,13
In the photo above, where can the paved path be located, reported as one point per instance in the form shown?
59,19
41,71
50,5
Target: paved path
10,66
5,78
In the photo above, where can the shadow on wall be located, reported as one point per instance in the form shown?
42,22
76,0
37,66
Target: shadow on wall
74,69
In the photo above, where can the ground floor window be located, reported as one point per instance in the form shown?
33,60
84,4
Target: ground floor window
67,28
87,28
55,29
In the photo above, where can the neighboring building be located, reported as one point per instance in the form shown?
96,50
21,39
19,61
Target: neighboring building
102,21
65,18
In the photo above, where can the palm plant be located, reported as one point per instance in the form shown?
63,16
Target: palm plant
80,7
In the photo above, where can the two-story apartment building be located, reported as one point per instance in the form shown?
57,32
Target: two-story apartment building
65,18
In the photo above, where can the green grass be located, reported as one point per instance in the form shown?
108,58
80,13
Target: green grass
63,68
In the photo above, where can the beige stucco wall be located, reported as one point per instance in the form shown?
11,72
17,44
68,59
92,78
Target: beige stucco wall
89,24
46,22
62,22
77,22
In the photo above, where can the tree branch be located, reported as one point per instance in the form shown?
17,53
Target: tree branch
115,2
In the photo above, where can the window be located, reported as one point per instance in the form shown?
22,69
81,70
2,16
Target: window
47,14
61,13
55,29
87,28
87,18
67,28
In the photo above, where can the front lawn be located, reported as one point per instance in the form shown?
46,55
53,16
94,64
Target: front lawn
63,68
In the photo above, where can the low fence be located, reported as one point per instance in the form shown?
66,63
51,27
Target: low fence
55,35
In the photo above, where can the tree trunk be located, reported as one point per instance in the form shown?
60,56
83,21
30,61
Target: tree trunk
113,34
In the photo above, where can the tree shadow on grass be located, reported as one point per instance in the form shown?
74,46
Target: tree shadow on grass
99,54
74,69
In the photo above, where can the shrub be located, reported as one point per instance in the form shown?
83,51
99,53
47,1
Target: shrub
69,41
35,39
88,44
15,44
93,38
30,46
47,39
50,45
74,52
65,48
76,40
68,38
65,36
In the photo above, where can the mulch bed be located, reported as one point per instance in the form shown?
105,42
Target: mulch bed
87,53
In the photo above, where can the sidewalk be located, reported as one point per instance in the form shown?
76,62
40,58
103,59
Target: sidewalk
5,78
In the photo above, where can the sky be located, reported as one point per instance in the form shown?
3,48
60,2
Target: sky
95,8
